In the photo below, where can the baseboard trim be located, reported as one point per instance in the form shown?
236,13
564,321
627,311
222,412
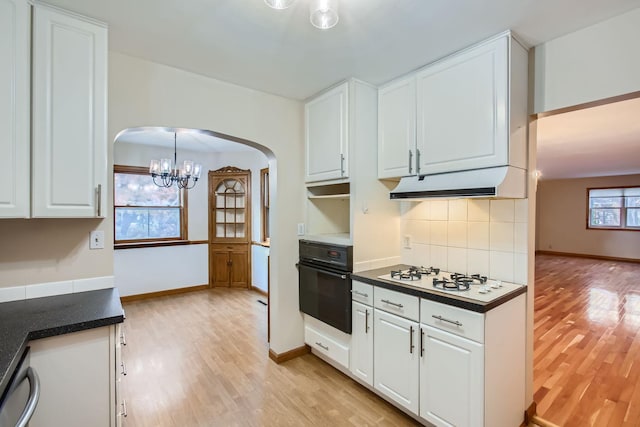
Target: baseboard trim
288,355
260,291
130,298
602,257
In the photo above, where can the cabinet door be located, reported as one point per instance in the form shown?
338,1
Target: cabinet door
451,379
14,108
220,263
326,135
362,342
397,128
239,260
462,110
396,359
69,116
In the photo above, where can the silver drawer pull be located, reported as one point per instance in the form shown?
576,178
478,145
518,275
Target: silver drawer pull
123,338
395,304
353,291
124,408
324,347
124,368
455,322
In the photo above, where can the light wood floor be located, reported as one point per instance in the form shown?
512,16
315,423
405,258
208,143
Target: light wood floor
587,342
201,359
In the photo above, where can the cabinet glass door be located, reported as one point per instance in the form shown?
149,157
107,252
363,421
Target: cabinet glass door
230,209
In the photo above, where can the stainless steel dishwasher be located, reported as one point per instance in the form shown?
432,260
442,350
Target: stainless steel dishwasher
21,397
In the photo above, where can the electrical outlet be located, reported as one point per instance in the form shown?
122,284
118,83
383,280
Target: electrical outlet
406,241
301,229
96,240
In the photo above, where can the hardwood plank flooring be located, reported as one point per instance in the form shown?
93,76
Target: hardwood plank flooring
587,341
201,359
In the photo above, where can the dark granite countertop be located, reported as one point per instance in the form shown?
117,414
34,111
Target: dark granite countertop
371,277
25,320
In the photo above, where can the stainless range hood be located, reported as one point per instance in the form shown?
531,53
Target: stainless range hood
500,182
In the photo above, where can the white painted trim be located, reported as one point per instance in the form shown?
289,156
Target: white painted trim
49,289
92,284
17,293
12,294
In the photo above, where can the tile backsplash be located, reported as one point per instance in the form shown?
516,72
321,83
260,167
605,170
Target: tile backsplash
468,236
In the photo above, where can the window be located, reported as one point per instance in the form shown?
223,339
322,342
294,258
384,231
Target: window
144,212
264,203
614,208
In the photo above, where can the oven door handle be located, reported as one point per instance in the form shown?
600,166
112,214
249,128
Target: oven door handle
34,396
342,276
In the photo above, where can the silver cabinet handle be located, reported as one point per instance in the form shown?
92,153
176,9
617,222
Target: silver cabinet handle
421,342
99,191
324,347
386,301
454,322
34,396
411,346
410,162
366,321
417,161
123,338
124,368
353,291
341,164
124,408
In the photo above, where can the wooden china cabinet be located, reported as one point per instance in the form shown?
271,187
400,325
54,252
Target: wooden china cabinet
229,227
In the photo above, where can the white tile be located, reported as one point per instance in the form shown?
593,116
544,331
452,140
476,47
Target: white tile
478,235
408,209
457,234
457,260
478,262
423,210
13,293
502,210
520,269
362,266
439,257
501,266
49,289
439,232
501,236
439,210
406,255
92,284
417,231
478,210
458,210
422,255
521,210
520,237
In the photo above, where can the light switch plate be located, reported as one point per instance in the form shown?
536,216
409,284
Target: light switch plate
301,229
96,241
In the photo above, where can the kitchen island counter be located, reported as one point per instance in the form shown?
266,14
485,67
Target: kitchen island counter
450,298
31,319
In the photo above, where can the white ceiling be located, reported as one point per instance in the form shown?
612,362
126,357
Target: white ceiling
249,44
186,139
598,141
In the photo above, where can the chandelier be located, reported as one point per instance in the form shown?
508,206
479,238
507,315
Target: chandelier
323,14
184,178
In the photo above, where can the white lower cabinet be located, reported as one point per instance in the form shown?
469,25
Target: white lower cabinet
451,379
77,378
362,342
327,341
396,359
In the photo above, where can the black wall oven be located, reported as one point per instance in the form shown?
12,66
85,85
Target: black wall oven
324,282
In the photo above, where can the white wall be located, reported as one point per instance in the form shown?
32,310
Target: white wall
259,267
470,236
594,63
562,219
143,93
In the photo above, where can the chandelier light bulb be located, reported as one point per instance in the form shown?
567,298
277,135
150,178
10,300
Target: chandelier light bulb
323,13
279,4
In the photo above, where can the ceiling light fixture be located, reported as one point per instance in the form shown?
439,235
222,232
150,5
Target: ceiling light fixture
184,178
323,14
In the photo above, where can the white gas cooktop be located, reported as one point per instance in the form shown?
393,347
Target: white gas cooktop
473,287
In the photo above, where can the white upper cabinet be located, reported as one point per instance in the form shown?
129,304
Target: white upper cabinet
397,128
69,86
327,136
14,108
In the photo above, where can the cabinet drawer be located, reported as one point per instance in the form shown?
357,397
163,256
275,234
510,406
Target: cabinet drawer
362,292
398,303
327,346
455,320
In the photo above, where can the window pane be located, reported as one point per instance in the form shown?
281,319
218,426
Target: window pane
632,202
605,218
139,190
633,217
605,202
632,191
143,223
605,192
